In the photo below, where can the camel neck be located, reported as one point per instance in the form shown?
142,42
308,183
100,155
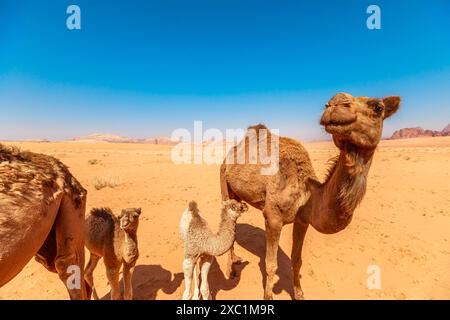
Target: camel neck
334,201
130,237
221,242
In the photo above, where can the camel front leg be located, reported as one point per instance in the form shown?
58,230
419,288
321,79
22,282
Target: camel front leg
128,270
112,273
273,232
298,236
69,261
188,269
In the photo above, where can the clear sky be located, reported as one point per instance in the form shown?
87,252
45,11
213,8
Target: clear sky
144,68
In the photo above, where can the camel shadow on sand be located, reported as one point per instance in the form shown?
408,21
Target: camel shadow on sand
253,239
149,279
218,281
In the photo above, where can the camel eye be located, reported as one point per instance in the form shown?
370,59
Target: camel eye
378,108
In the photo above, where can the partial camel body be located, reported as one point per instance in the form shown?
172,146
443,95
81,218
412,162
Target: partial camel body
201,245
114,239
42,210
294,194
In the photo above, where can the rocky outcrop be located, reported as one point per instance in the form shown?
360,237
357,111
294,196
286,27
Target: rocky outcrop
417,132
446,130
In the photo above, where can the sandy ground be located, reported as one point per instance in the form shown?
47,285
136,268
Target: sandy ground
402,225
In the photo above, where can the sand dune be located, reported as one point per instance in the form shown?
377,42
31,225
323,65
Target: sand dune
402,225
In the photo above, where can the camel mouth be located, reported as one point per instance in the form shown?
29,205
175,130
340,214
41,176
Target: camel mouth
336,122
339,122
336,117
337,128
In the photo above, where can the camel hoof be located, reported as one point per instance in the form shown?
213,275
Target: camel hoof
268,296
298,295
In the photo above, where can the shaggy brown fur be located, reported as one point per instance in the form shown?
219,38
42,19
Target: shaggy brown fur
114,239
41,213
295,195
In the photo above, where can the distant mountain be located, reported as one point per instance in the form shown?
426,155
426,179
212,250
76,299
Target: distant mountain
161,141
417,132
104,137
37,140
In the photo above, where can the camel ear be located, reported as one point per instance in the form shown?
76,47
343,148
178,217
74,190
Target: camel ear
391,105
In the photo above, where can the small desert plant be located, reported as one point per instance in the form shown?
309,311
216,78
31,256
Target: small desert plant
93,162
100,183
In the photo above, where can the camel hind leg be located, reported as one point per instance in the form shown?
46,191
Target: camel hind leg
89,273
196,276
47,253
298,236
205,265
188,269
273,232
69,261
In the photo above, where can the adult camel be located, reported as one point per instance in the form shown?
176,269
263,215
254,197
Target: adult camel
293,194
42,210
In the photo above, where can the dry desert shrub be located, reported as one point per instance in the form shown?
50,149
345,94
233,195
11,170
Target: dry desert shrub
100,183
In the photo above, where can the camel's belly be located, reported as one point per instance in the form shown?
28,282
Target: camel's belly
247,184
22,233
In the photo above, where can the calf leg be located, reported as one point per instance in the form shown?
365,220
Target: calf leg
89,273
128,270
196,276
205,265
188,269
112,273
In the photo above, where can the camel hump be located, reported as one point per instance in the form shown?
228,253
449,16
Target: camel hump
258,127
193,206
13,153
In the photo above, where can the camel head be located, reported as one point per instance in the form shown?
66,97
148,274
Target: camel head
357,121
234,208
129,219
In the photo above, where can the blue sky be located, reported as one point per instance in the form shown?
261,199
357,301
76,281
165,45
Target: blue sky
144,68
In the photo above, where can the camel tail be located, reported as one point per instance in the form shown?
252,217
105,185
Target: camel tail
193,206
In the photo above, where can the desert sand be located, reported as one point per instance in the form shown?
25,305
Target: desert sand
402,225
